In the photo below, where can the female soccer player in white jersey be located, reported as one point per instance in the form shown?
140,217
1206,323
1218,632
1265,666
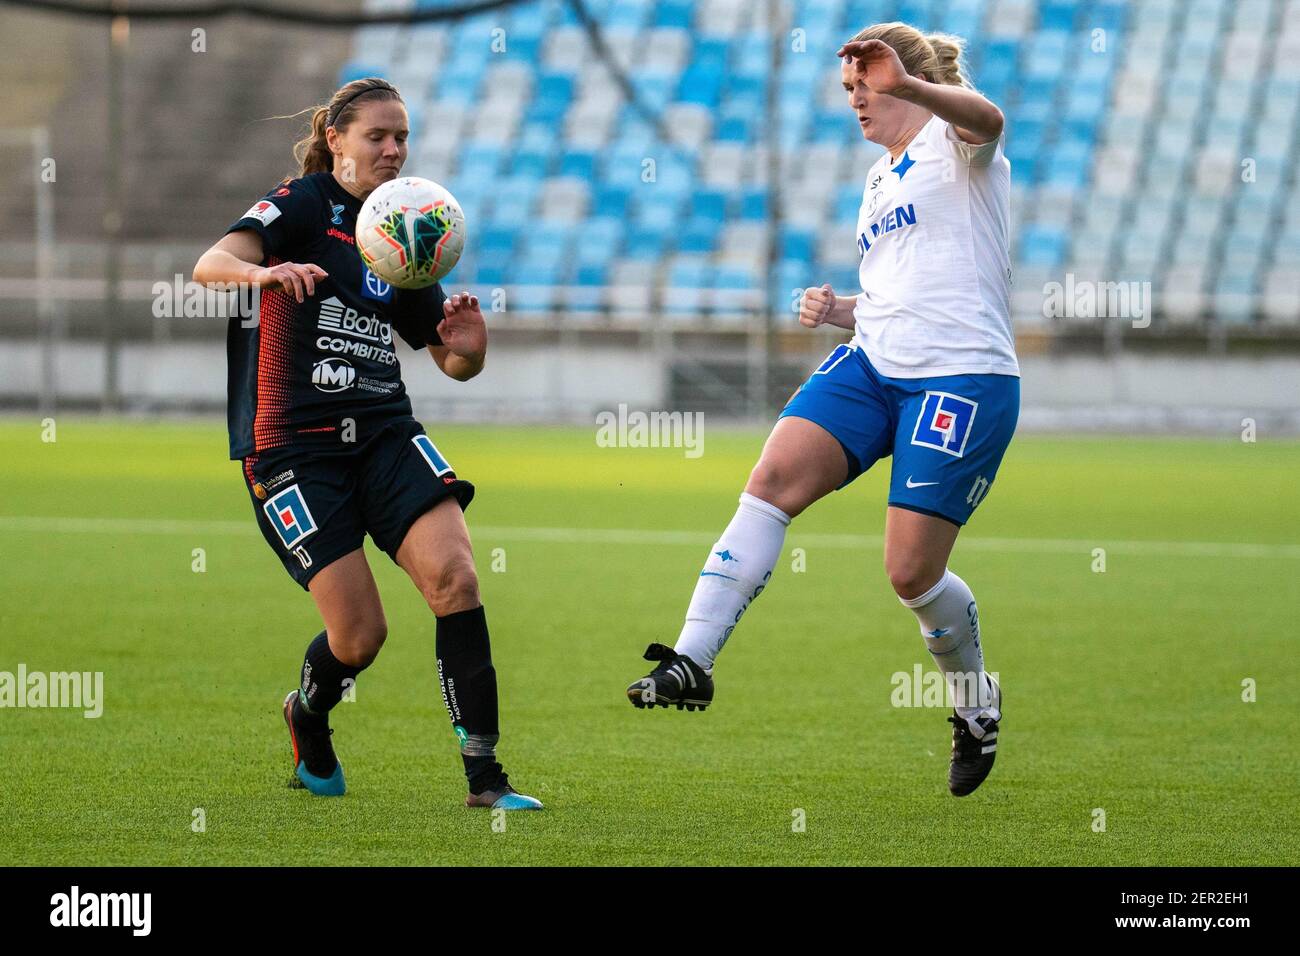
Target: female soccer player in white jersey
930,377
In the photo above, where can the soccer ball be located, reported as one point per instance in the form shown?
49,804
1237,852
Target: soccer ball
410,232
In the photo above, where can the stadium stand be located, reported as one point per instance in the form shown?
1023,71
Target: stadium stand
1148,143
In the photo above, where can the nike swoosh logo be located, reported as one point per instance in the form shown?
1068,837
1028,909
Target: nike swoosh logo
919,484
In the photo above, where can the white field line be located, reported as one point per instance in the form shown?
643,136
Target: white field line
632,536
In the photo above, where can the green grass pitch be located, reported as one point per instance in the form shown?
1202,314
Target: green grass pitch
1124,688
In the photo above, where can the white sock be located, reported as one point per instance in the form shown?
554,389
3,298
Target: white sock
738,569
950,626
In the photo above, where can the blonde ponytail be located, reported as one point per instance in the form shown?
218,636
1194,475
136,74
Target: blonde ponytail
949,53
937,57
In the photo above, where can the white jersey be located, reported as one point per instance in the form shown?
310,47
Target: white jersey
935,271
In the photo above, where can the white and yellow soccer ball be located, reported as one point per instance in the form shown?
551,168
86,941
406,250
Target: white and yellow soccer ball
410,232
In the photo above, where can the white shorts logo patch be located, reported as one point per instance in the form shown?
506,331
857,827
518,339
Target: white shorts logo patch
288,514
945,423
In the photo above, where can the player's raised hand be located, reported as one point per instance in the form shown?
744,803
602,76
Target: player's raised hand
815,306
876,64
292,278
462,328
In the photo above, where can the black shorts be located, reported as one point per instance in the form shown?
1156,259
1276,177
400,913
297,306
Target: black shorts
315,508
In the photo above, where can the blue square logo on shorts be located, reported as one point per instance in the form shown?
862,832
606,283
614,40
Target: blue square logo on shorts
289,516
944,423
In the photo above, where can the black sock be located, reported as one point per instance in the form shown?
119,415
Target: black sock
322,687
469,689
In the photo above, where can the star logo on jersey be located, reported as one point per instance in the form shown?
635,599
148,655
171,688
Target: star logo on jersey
939,632
904,164
726,556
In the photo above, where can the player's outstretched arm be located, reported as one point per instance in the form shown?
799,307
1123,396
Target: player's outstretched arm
234,259
464,338
975,119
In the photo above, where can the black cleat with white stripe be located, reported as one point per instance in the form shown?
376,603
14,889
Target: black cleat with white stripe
974,747
677,681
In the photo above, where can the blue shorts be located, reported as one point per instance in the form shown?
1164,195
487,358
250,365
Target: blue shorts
947,434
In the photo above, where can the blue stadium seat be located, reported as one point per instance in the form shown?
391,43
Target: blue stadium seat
611,201
736,129
529,163
732,278
599,240
1046,55
674,13
797,245
919,13
578,163
654,90
1068,164
480,158
848,200
1043,246
709,204
699,235
753,203
627,13
527,273
1039,67
497,239
592,274
1057,15
690,275
646,242
551,98
700,83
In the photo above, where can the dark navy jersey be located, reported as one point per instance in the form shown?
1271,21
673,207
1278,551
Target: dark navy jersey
324,372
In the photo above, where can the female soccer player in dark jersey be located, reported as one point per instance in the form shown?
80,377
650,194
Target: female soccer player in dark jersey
331,452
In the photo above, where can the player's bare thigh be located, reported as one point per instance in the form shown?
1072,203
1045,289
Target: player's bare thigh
801,462
437,556
917,547
348,600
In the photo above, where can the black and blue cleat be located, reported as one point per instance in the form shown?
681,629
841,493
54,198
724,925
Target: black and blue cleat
315,767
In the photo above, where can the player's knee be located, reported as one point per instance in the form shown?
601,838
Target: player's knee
777,483
357,643
911,575
453,588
